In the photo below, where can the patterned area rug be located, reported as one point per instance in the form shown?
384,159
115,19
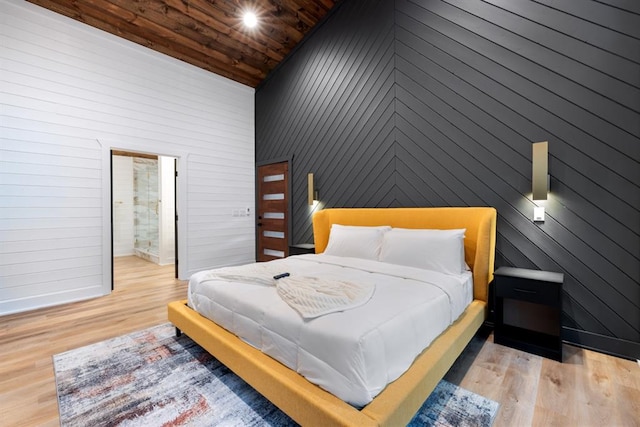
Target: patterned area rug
152,378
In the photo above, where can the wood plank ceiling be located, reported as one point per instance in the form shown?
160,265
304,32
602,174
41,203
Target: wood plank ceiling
209,34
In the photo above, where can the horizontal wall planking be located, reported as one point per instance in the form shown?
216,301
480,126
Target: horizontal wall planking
221,225
50,200
40,244
222,248
64,158
203,162
72,283
42,191
62,171
70,101
190,105
51,265
46,144
229,162
201,256
232,240
28,278
54,181
49,223
216,193
85,121
106,96
51,298
220,183
38,213
588,32
43,255
222,240
18,235
206,199
97,96
244,168
125,61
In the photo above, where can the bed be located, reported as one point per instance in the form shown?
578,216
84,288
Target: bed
309,404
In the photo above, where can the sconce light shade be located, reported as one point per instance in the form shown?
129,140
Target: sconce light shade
540,170
310,190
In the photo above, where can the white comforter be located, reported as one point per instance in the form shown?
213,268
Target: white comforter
352,354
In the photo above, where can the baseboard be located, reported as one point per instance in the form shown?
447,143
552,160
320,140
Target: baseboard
602,343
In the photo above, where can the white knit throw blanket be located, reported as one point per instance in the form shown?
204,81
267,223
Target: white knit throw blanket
315,296
310,296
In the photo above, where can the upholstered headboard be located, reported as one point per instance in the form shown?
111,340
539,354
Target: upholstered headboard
479,242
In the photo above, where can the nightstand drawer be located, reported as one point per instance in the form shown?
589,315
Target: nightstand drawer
527,290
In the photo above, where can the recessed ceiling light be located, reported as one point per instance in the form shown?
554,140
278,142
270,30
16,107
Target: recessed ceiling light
250,19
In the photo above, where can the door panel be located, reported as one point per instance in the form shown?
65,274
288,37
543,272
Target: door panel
273,211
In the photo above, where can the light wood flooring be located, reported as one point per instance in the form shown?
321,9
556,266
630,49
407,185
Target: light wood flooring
588,389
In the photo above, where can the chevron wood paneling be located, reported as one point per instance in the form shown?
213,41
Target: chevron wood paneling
435,103
334,96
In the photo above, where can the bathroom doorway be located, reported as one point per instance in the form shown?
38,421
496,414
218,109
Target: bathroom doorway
144,209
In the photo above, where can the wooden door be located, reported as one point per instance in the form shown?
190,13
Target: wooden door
273,211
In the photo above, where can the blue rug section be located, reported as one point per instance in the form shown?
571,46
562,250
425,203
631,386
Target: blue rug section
152,378
450,405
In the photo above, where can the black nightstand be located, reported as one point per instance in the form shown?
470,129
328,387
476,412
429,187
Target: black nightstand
302,248
528,310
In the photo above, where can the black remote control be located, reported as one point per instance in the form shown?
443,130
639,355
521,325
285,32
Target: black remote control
280,276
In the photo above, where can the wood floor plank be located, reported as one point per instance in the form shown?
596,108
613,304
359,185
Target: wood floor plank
531,390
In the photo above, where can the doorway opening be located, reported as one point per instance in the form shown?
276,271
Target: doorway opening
143,213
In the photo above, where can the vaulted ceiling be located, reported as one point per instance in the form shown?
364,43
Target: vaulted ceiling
209,34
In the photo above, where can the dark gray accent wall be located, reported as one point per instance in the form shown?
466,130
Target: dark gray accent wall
436,103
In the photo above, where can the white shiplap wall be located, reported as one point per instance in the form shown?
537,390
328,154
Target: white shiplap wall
68,95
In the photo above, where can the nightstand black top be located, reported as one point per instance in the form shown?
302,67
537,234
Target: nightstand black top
304,246
523,273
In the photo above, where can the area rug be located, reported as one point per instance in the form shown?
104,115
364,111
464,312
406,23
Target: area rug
153,378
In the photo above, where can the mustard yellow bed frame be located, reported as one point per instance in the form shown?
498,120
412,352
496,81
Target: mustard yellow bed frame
310,405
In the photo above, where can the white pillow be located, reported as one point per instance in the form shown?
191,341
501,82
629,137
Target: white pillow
355,241
439,250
